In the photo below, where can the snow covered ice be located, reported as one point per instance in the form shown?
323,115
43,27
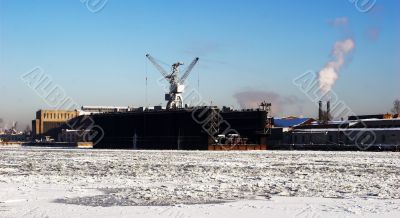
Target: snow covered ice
40,182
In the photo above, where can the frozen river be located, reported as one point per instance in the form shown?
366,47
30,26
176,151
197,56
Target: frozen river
40,182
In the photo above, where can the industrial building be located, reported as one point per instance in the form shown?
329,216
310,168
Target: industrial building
364,132
47,122
347,135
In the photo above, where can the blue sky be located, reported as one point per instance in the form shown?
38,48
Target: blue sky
244,46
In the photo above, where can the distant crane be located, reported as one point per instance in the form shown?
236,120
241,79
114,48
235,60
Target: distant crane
174,97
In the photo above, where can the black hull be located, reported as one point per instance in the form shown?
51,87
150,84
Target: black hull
175,129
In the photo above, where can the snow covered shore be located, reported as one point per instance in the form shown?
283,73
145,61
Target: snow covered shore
40,182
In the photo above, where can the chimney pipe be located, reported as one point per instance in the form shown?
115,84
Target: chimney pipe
328,110
320,111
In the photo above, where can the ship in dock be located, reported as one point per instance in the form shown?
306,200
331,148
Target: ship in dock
178,125
197,128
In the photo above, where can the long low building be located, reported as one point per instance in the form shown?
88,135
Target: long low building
363,134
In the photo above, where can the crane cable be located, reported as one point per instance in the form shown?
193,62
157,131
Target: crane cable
198,82
146,82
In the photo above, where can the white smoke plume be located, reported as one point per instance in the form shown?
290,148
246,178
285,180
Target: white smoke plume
329,74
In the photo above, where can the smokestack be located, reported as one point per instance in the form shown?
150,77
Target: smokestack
328,110
320,111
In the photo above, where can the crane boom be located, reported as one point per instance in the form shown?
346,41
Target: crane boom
176,87
188,70
159,68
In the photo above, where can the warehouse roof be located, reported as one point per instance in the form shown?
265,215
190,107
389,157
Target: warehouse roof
290,122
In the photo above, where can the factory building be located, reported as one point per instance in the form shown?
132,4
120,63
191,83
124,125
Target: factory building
47,122
373,132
